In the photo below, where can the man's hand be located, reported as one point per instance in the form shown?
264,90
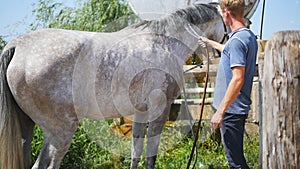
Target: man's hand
203,41
216,120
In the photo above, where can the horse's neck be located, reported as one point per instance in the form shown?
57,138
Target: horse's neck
185,43
178,42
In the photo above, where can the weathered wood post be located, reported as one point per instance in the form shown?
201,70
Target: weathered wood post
258,96
281,103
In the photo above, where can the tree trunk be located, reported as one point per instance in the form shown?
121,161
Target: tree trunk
281,105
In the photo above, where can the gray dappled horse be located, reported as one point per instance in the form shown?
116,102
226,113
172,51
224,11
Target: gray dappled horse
55,78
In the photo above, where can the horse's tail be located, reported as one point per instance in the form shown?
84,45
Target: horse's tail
11,151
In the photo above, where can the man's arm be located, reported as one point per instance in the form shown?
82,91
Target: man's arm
231,94
214,44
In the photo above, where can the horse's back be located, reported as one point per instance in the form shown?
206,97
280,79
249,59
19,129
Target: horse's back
86,73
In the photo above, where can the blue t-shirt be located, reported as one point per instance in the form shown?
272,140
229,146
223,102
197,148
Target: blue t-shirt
239,50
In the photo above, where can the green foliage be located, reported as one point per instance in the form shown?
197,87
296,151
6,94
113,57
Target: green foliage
86,154
92,15
83,153
2,43
37,143
252,150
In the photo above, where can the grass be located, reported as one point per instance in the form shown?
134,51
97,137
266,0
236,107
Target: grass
86,152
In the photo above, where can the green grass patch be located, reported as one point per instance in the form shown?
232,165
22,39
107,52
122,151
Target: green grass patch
85,153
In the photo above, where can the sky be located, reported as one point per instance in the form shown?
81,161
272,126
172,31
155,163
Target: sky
16,15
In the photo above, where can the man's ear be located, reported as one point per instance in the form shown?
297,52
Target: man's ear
227,12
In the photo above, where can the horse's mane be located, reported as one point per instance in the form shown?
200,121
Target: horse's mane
195,14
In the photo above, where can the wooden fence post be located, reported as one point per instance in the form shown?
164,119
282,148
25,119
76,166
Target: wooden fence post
281,102
260,62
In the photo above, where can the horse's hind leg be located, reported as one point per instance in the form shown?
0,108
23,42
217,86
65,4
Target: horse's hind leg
27,126
138,137
57,139
154,132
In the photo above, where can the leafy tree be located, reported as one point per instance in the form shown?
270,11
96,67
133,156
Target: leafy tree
2,43
92,15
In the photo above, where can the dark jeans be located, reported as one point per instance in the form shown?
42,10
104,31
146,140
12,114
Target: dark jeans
232,132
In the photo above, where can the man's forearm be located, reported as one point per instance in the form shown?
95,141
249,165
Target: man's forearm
216,45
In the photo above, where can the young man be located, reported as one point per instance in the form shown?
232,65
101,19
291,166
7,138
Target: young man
234,81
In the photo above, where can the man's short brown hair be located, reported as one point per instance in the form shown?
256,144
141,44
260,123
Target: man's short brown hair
236,7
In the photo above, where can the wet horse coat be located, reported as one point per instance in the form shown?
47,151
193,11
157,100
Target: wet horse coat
54,78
